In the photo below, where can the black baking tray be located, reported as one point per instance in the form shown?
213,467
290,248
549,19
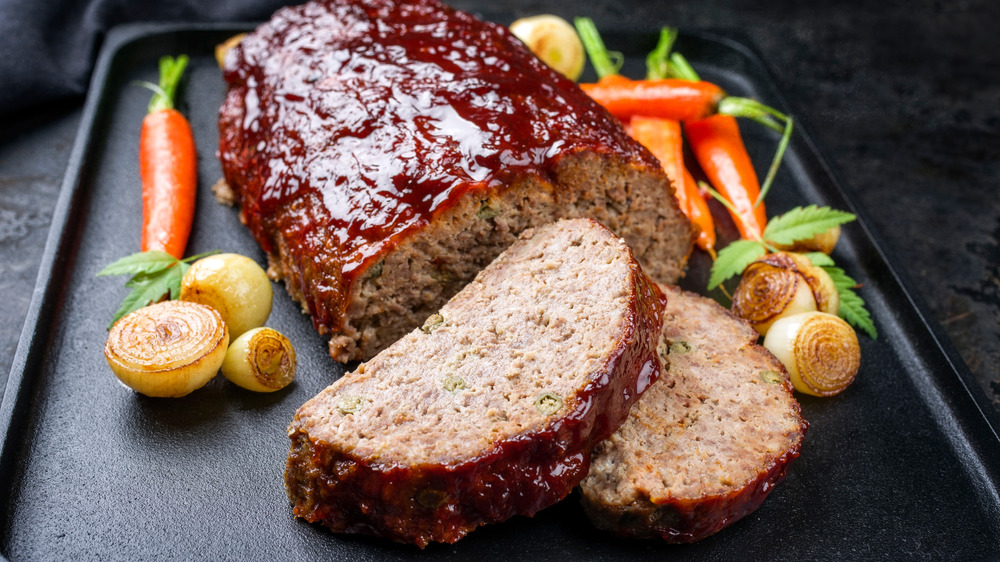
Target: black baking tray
904,464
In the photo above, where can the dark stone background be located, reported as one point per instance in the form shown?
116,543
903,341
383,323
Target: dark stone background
902,97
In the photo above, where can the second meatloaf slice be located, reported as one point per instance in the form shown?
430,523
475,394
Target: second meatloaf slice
384,151
705,444
491,408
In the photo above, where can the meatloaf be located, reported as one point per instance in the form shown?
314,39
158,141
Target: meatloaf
491,408
705,444
385,151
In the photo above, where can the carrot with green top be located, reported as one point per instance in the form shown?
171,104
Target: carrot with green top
167,165
719,149
660,135
718,146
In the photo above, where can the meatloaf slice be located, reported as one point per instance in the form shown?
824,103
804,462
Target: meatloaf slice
383,152
491,408
706,443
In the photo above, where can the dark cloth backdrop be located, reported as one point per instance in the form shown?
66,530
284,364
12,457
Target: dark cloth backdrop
49,46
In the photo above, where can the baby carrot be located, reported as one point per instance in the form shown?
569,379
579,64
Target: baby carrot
167,166
667,98
700,215
719,149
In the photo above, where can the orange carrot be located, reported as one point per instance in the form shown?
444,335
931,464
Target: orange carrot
168,167
719,149
700,215
663,138
668,98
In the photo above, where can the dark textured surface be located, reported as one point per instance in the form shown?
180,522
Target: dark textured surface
902,465
902,96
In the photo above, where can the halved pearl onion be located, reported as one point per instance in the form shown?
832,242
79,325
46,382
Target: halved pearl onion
823,288
768,292
167,349
232,284
261,360
553,40
819,350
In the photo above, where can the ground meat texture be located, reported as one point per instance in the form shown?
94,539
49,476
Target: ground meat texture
705,444
382,153
490,409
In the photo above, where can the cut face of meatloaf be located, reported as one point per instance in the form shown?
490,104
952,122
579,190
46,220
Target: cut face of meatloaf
384,152
491,408
704,445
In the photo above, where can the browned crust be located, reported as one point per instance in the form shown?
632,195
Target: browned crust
518,475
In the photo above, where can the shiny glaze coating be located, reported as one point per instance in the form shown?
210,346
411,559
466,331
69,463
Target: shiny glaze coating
349,125
519,475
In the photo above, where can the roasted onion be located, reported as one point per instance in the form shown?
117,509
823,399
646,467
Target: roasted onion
820,351
232,284
261,360
823,288
553,40
768,292
167,349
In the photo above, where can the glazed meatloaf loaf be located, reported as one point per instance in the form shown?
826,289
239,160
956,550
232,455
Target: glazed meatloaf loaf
384,152
706,443
491,408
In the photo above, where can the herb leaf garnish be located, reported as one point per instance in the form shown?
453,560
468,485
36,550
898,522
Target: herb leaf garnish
852,306
733,259
155,275
802,223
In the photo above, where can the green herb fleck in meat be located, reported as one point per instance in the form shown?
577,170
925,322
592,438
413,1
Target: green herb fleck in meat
771,377
453,383
679,347
486,212
433,322
351,404
548,403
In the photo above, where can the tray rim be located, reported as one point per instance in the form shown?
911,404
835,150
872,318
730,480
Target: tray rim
57,251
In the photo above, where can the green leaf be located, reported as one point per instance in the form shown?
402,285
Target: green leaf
139,262
819,259
852,306
147,289
155,275
802,223
733,259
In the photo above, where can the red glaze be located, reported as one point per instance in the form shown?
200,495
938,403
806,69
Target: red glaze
517,476
358,122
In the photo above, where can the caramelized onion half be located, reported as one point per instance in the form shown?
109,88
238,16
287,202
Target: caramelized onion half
261,360
553,40
167,349
823,288
768,292
820,351
232,284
